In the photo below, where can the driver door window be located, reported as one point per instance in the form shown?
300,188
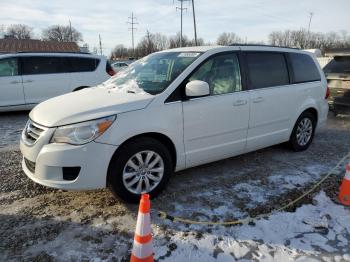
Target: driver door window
222,73
8,67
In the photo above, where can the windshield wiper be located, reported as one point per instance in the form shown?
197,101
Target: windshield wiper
131,92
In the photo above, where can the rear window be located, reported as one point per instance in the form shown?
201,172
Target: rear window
267,69
81,64
338,65
304,68
41,65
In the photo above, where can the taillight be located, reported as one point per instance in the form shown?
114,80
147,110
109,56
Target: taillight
109,69
111,72
328,92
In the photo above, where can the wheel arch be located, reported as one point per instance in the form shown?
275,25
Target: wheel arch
311,109
80,88
165,140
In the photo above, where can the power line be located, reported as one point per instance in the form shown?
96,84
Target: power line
181,8
132,23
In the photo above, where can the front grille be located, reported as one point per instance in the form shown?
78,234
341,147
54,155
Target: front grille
30,165
32,132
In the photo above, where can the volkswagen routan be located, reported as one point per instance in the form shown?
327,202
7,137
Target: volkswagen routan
173,110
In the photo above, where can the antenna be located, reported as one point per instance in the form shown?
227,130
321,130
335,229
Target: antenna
132,23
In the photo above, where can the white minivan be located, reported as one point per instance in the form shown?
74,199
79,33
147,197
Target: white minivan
27,79
173,110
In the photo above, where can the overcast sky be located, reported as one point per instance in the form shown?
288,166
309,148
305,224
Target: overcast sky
253,19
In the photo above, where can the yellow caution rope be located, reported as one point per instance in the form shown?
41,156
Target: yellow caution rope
164,215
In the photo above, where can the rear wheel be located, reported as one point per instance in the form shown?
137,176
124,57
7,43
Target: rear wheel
303,132
142,165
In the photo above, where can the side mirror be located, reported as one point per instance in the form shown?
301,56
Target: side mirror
197,88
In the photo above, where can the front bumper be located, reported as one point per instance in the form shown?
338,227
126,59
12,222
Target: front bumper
92,158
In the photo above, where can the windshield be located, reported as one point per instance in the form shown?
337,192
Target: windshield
338,65
153,73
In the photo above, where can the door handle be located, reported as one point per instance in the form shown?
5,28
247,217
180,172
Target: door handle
240,102
28,81
15,82
258,99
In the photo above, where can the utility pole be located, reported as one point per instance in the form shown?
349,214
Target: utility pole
181,8
149,48
99,36
132,23
70,31
194,24
308,29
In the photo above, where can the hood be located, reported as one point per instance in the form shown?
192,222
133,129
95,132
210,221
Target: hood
88,104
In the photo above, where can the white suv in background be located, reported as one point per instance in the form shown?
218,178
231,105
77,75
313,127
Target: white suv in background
173,110
27,79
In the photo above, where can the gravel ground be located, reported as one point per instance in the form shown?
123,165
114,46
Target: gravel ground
42,224
11,126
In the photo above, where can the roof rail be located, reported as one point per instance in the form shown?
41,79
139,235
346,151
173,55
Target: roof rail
263,45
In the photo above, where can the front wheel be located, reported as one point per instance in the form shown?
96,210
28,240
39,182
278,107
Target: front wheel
303,132
143,165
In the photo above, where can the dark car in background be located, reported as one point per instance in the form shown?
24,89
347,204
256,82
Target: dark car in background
337,72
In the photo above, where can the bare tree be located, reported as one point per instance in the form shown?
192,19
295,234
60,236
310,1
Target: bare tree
19,31
151,43
306,40
174,41
119,51
62,33
161,41
228,39
2,31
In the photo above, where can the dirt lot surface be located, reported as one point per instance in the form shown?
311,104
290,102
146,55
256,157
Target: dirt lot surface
42,224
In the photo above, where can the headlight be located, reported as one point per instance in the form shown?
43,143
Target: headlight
82,133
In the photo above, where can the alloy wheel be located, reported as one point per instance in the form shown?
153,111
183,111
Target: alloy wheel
304,131
143,172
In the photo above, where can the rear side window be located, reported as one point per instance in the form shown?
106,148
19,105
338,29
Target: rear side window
304,68
8,67
82,64
41,65
267,69
340,65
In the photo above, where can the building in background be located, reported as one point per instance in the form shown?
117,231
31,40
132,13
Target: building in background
10,45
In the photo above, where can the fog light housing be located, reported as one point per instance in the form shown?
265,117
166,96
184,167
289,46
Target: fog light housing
70,173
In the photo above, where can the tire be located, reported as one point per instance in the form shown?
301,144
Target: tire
304,120
335,113
122,172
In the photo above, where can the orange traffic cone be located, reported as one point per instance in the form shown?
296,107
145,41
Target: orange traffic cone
344,192
142,250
